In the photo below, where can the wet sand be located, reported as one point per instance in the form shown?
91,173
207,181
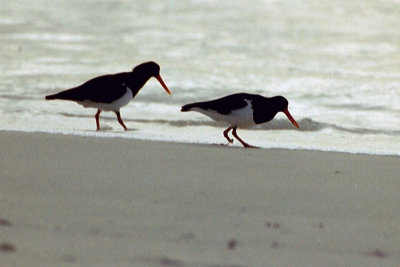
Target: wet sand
92,201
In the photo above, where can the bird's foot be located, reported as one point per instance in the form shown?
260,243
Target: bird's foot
230,140
249,146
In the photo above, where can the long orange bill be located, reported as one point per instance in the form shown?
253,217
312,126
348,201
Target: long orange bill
287,113
158,77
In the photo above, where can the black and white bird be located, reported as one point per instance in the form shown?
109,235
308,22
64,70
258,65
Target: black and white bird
242,110
113,91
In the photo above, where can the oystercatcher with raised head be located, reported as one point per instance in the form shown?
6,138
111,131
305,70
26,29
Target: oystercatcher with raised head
113,91
242,110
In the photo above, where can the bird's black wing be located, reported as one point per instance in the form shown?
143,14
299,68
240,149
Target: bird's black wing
104,89
224,105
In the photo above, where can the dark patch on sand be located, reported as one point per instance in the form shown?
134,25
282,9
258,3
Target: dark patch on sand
274,225
187,236
377,253
274,244
319,225
5,222
232,244
68,258
165,261
7,247
220,144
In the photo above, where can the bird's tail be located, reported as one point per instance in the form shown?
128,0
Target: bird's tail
188,107
52,97
69,94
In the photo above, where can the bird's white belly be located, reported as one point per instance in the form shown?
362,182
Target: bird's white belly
113,106
242,118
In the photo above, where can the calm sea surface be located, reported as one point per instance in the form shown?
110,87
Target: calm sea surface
337,62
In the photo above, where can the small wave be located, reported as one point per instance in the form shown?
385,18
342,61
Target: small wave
308,124
363,107
366,131
305,124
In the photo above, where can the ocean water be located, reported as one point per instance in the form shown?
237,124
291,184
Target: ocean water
337,62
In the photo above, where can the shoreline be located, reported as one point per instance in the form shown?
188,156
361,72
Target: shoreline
80,200
119,135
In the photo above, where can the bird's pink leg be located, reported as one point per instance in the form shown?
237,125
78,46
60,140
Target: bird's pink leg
240,140
97,119
120,120
226,135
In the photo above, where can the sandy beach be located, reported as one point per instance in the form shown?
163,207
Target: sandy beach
92,201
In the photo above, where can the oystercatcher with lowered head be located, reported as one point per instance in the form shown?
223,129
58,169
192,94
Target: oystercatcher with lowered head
242,110
113,91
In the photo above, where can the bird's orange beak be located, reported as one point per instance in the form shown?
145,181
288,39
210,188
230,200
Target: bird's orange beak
287,113
158,77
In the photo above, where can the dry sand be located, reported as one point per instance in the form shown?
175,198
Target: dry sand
87,201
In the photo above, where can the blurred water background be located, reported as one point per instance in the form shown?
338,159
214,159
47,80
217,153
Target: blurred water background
337,62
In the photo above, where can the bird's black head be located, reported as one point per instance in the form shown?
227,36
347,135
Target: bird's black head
280,103
147,70
150,68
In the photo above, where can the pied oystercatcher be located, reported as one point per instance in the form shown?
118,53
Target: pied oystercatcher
113,91
242,110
